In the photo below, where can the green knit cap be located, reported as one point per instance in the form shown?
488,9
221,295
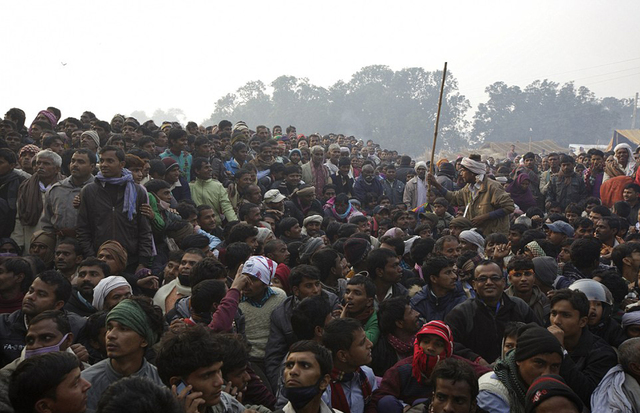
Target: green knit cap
130,314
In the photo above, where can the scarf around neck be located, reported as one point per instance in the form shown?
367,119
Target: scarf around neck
507,372
130,193
338,398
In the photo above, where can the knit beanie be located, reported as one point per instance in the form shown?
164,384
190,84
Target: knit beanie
356,249
533,340
546,269
546,387
422,363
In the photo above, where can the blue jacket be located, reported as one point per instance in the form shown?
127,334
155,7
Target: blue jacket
431,307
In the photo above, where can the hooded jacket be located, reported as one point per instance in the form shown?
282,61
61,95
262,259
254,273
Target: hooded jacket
431,307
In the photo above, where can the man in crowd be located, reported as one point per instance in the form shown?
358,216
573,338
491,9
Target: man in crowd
315,172
90,272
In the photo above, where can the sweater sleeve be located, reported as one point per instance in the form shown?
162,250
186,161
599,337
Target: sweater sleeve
222,319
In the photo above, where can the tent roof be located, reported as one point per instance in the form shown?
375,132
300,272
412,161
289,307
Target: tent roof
500,149
623,135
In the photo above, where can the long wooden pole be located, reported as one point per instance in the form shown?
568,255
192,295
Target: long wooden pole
435,132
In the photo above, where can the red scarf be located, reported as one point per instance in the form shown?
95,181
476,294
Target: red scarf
423,364
338,398
403,348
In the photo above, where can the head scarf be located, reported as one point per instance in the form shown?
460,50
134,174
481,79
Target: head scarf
263,234
535,249
420,164
312,218
13,243
296,150
118,253
104,287
474,238
522,197
461,222
93,135
49,239
475,167
631,163
130,314
260,267
630,319
28,149
546,387
394,232
441,161
423,364
50,116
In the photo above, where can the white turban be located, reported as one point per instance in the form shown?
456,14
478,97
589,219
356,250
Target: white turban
629,169
312,218
262,268
474,238
477,168
419,164
104,287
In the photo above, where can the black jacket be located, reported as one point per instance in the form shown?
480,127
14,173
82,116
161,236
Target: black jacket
342,187
587,364
477,330
77,306
101,219
13,331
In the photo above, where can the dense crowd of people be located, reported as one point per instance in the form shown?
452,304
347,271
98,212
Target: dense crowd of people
231,269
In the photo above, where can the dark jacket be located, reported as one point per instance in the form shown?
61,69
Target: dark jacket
76,305
9,185
101,219
293,209
587,364
566,191
180,193
610,331
478,331
431,307
394,190
345,187
361,188
13,331
281,334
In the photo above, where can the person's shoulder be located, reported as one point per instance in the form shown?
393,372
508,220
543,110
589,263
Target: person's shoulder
95,370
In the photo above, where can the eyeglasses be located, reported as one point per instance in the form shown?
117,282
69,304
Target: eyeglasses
493,278
519,274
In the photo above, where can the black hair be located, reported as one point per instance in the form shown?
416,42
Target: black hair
582,222
235,353
622,208
611,221
60,282
602,210
324,260
241,232
198,162
323,357
496,238
237,253
396,243
339,334
439,245
369,286
519,263
8,155
615,283
58,317
198,241
206,293
511,329
184,351
456,371
576,298
358,219
245,209
303,271
156,185
18,265
286,224
378,259
207,269
124,396
175,134
312,312
433,265
38,377
573,207
621,251
390,311
94,262
119,152
347,230
90,333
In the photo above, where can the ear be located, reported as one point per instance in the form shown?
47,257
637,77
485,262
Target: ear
295,291
122,164
342,355
43,405
318,331
400,323
379,272
59,305
174,380
69,340
635,368
324,382
19,277
626,260
583,321
369,302
79,259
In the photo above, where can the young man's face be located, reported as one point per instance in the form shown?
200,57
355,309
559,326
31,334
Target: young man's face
46,333
439,209
238,378
301,369
451,249
110,165
571,216
432,345
136,172
364,227
452,397
255,289
204,172
293,179
566,168
88,278
392,272
411,320
509,344
209,381
445,280
556,238
489,282
597,162
207,220
564,316
360,351
70,394
281,254
188,261
539,365
294,232
630,196
115,296
603,231
356,299
522,280
565,254
553,162
583,232
308,288
529,163
595,312
123,342
171,271
66,258
40,297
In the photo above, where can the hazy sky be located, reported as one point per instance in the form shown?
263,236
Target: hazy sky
121,56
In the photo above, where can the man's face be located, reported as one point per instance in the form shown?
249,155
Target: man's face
204,172
489,282
80,166
564,316
122,341
556,238
13,142
603,231
356,299
170,271
209,381
360,351
36,132
115,296
630,196
45,168
451,249
70,394
367,173
571,216
522,280
402,221
128,131
594,217
39,249
254,216
317,156
565,254
245,181
136,173
45,333
293,179
57,146
239,378
313,141
622,155
451,396
597,163
432,344
6,167
255,289
281,254
312,228
66,258
539,365
554,161
188,261
421,171
595,312
445,280
583,232
207,220
514,237
301,369
392,272
334,154
26,161
40,297
149,147
566,168
529,163
467,175
308,288
295,231
364,227
88,278
110,166
267,154
277,131
410,320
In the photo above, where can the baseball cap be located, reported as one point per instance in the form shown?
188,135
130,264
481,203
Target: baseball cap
273,195
560,226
